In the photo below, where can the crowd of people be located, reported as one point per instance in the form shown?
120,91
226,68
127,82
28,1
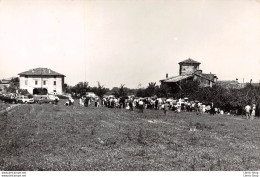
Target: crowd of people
181,105
131,103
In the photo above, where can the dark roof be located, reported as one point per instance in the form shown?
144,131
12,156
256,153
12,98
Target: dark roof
41,72
209,77
189,61
176,78
227,82
234,84
4,81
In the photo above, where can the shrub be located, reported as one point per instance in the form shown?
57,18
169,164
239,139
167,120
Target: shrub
62,97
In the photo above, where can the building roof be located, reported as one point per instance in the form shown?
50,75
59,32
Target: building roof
4,81
40,72
227,82
176,78
189,61
209,76
234,84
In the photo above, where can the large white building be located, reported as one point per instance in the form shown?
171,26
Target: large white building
44,78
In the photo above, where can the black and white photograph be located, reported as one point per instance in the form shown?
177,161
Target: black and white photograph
129,85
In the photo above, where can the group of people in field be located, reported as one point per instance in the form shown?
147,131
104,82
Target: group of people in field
131,103
250,111
181,105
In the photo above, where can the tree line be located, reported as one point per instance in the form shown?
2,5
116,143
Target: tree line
226,99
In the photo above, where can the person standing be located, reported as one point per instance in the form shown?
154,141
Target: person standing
166,107
96,102
141,105
253,112
247,109
131,104
56,101
80,102
156,104
86,103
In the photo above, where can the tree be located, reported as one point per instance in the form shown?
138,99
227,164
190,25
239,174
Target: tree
150,90
23,92
141,92
81,88
12,88
15,79
101,90
120,92
163,91
67,88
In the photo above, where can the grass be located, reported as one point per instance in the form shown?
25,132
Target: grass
54,137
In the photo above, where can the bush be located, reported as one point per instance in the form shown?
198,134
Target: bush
62,97
225,99
23,92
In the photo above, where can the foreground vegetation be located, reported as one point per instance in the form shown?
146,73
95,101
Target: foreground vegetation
55,137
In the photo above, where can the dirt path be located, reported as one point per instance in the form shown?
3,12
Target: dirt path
9,108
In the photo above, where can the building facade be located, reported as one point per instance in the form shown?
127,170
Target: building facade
188,66
42,78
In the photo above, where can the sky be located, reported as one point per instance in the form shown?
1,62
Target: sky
131,42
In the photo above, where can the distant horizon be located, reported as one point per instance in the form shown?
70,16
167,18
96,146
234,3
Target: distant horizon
130,42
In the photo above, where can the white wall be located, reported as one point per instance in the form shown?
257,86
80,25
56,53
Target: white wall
49,83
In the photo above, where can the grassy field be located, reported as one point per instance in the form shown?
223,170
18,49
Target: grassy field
54,137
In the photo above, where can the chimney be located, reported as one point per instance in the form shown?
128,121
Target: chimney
166,75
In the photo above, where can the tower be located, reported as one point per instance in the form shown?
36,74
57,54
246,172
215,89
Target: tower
188,66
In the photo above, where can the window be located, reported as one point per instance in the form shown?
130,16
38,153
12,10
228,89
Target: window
36,82
44,82
26,82
54,83
55,77
26,76
54,91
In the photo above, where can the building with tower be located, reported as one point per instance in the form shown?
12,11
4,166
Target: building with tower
189,70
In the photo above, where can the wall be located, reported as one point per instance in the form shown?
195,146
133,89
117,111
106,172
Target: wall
40,79
203,82
188,69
